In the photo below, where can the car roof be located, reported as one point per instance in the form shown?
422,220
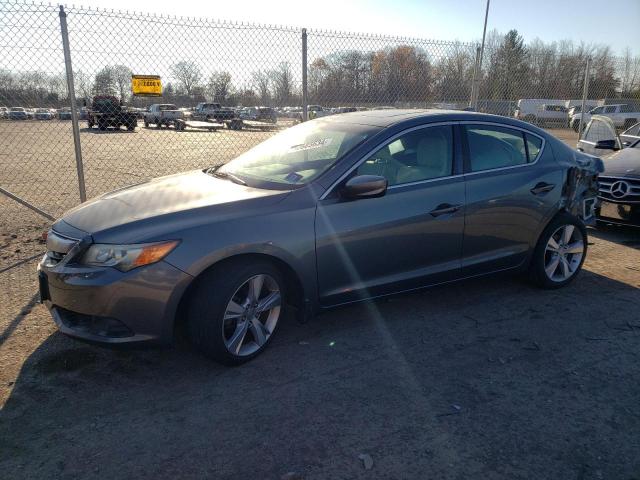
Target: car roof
387,118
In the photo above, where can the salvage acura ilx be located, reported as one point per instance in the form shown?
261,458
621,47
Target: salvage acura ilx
334,210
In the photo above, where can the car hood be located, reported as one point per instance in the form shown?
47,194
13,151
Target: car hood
625,163
165,200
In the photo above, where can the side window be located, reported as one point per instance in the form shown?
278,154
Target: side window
611,109
495,147
422,154
534,144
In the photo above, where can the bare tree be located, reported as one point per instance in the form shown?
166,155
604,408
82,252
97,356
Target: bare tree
262,83
188,76
122,81
282,83
219,86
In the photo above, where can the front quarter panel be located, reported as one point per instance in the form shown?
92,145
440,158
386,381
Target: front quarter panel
284,231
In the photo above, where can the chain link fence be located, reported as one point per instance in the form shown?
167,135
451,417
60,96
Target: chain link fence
227,87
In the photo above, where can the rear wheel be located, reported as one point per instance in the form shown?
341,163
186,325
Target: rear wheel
235,310
560,252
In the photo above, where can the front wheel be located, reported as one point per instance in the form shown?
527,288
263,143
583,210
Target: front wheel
560,252
235,310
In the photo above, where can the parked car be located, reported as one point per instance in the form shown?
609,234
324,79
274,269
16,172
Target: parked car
18,113
536,110
318,111
43,114
4,112
64,113
107,111
213,112
546,115
622,115
630,136
259,114
162,114
336,210
620,182
575,109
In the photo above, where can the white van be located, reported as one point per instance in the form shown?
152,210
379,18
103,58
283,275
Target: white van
541,111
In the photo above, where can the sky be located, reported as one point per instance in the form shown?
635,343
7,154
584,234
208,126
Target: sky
615,22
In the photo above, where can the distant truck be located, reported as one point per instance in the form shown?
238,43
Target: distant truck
624,116
161,114
213,112
107,111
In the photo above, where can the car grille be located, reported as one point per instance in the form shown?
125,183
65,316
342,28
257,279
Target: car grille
58,246
619,189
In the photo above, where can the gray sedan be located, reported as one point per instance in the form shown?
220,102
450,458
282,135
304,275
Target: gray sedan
340,209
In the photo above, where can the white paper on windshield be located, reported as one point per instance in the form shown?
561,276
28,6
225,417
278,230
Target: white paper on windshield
311,145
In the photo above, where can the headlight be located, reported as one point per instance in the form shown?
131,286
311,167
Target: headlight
127,257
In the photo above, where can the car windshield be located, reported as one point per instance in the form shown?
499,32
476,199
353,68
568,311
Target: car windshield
167,107
299,154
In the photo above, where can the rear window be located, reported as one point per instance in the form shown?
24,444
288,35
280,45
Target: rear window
493,147
167,107
534,144
627,108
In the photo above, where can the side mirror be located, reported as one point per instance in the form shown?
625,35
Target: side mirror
609,144
364,186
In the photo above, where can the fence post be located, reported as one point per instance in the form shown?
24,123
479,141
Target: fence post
72,100
305,99
473,102
585,93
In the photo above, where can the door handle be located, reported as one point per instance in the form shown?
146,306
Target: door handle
542,188
443,209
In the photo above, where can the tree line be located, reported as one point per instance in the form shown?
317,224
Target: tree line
401,74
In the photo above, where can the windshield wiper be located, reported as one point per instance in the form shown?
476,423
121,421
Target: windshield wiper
227,175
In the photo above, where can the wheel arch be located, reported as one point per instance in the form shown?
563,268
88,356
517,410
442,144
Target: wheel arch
296,295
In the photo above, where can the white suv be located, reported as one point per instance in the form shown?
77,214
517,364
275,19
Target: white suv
622,115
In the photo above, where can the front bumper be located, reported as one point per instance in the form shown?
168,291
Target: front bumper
105,305
619,213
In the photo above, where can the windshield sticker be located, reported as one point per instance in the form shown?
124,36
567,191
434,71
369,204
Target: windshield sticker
293,177
308,146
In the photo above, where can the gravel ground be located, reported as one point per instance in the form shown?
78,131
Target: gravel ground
487,379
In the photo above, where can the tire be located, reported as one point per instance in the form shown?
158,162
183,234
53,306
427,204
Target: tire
545,256
102,125
213,295
131,126
146,124
158,123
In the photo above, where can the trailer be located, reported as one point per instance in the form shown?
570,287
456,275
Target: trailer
182,124
240,124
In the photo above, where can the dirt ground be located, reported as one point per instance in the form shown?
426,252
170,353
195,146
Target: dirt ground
489,378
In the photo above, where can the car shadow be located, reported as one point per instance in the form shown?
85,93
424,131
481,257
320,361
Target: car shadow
108,131
621,234
486,378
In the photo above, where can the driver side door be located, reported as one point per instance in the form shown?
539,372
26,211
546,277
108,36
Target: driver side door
407,238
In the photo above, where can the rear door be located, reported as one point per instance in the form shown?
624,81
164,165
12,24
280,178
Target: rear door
512,184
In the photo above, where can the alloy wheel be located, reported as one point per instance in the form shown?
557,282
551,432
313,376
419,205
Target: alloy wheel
563,253
251,315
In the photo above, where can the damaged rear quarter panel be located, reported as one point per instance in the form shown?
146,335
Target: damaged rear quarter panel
580,180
